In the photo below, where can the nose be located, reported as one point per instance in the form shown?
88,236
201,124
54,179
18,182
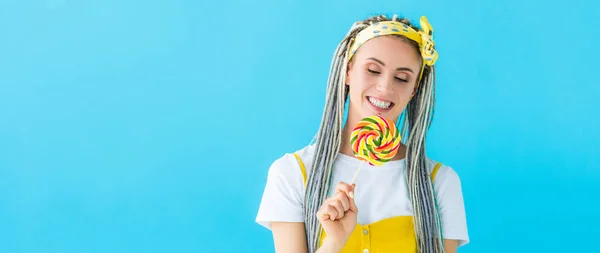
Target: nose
383,85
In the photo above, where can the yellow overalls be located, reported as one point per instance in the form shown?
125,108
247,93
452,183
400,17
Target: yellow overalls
394,234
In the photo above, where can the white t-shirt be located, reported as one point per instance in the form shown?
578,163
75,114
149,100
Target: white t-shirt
380,192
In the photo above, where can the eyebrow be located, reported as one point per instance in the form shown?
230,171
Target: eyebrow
380,62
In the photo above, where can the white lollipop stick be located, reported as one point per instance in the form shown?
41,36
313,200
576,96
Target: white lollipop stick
356,173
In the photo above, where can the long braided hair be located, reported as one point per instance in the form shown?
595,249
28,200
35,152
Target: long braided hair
416,120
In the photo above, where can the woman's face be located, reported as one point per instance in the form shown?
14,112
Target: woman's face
382,77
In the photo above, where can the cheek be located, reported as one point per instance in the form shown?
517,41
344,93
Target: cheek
404,94
408,89
360,83
364,81
405,98
407,93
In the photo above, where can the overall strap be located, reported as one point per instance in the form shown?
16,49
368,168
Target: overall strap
302,168
435,171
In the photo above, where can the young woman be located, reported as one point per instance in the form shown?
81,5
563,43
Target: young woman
410,204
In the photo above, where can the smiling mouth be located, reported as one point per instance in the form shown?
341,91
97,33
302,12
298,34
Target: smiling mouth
380,105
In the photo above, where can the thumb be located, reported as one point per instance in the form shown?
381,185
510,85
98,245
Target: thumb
351,200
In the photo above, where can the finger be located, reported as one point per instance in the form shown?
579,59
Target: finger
327,212
345,188
352,203
331,212
322,214
344,199
337,204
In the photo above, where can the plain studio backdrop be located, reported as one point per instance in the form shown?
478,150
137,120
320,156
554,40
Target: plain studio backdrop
149,126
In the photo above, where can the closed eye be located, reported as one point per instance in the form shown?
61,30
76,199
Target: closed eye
373,71
401,80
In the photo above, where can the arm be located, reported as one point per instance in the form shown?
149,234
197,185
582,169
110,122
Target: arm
281,207
450,246
337,215
452,209
289,237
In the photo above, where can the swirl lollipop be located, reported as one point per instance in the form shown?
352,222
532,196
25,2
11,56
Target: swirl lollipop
375,140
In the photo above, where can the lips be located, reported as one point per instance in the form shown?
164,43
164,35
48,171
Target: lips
380,105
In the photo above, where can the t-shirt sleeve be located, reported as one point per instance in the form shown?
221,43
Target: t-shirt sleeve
283,195
451,203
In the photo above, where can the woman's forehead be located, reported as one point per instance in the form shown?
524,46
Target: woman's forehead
389,49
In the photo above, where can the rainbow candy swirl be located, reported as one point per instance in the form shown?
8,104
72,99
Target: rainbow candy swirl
375,140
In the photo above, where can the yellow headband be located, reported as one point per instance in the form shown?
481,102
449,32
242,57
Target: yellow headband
424,38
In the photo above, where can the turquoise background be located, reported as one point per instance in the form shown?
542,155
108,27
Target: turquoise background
149,126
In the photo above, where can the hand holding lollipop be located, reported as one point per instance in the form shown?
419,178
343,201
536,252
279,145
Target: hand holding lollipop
374,140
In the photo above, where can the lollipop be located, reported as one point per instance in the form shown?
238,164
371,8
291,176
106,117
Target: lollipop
375,140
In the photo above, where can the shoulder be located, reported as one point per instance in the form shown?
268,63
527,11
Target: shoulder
287,166
444,171
445,179
306,154
283,195
449,194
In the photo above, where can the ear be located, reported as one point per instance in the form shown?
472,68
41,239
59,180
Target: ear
348,67
413,94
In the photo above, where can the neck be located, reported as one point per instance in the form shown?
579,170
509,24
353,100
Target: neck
346,148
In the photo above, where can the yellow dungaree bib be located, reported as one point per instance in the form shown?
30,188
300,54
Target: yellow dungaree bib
394,234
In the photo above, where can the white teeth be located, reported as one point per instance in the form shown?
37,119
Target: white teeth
379,103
